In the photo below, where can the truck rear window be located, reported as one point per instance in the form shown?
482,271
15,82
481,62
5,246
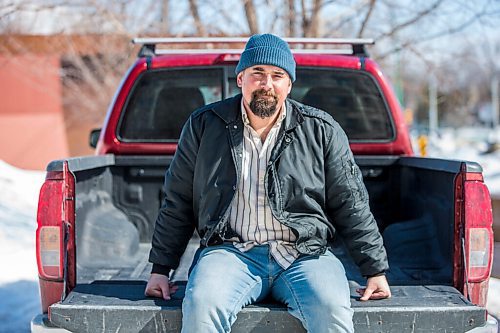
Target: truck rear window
162,100
351,97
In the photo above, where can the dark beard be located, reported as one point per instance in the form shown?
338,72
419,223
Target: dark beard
263,103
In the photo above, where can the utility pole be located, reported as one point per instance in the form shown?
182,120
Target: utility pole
399,81
433,106
494,102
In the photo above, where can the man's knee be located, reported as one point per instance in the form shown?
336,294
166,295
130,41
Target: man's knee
329,317
207,300
203,311
326,309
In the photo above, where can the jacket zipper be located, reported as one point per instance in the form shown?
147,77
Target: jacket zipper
224,217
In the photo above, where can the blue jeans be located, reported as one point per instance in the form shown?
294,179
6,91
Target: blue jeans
224,280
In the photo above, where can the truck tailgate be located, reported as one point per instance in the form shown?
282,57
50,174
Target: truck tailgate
120,306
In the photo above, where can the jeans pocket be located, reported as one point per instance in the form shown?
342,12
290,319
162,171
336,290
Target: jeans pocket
195,259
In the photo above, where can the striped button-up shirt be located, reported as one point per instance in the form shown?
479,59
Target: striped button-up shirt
251,217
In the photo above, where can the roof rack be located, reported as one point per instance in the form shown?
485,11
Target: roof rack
149,45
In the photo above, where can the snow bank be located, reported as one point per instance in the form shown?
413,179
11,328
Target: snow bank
493,303
18,204
19,294
469,144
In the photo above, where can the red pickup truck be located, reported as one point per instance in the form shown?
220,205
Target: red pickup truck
96,214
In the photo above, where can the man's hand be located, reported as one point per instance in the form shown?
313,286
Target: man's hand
376,288
159,286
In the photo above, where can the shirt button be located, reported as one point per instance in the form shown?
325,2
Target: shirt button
235,126
269,163
287,140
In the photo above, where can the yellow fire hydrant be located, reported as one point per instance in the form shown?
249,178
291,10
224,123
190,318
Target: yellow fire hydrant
422,144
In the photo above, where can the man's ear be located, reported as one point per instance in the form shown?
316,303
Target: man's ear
239,79
289,86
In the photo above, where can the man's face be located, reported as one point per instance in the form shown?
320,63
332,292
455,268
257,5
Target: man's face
264,88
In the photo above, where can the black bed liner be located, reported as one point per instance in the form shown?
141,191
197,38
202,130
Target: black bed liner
120,306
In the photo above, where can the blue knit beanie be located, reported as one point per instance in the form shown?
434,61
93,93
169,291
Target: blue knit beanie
267,49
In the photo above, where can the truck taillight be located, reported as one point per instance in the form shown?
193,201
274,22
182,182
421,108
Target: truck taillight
478,229
479,254
48,236
55,246
49,253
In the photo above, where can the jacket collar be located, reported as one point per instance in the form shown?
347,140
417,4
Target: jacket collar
230,111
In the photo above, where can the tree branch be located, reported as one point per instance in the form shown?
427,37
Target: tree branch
164,17
304,23
367,17
434,36
310,25
236,25
251,16
291,18
193,8
411,21
315,18
111,17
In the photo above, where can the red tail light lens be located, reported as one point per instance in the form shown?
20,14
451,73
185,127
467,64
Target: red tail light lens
49,238
55,236
478,231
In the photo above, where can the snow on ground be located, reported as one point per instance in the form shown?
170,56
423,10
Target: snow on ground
469,144
493,304
19,294
18,200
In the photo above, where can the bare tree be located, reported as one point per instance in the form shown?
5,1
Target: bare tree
91,70
251,16
291,18
311,22
164,16
200,28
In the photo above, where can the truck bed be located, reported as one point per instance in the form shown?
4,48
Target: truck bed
117,199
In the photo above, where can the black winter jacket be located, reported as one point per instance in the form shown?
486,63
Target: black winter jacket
313,185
